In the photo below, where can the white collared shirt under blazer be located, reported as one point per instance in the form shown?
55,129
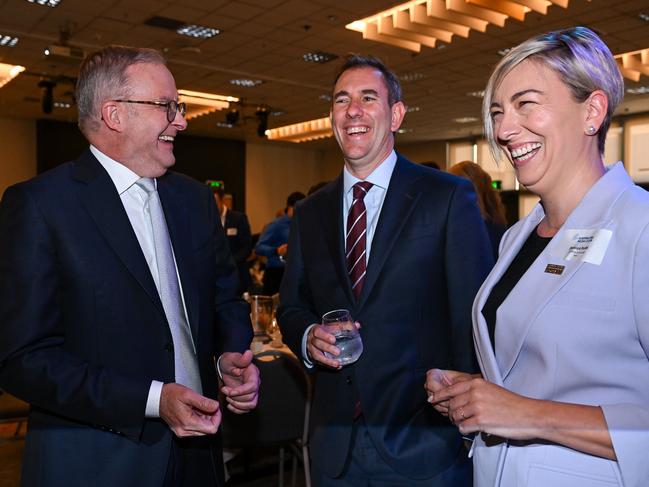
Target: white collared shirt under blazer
581,336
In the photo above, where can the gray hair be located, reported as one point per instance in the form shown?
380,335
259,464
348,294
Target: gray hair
353,61
102,76
580,59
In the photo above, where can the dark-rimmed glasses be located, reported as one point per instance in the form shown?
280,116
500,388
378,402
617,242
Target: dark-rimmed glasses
172,107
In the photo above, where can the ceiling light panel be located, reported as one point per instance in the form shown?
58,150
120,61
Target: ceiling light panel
302,131
46,3
633,64
9,72
319,57
246,83
419,23
8,41
198,31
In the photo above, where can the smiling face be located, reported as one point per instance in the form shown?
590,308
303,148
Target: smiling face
540,126
363,120
148,137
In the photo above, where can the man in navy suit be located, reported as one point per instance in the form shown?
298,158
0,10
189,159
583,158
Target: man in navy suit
425,253
237,229
98,329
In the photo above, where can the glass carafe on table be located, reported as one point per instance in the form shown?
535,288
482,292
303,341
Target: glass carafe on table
261,314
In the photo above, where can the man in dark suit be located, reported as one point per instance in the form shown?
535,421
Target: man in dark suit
407,263
117,293
237,229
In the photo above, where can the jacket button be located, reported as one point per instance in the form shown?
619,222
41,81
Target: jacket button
348,380
169,347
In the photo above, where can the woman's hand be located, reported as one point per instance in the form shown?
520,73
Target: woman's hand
437,380
477,405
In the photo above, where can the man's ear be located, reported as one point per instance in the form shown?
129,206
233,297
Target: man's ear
398,111
112,116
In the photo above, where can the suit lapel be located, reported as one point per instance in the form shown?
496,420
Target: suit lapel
331,213
100,198
536,288
399,202
175,211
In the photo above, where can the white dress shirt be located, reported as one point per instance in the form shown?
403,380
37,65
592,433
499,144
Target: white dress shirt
133,198
380,179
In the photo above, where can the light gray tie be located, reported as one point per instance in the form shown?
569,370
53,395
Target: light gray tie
186,364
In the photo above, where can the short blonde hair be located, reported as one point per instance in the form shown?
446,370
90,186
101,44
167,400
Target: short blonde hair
580,59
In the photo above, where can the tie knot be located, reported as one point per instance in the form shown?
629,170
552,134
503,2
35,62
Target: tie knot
361,188
147,184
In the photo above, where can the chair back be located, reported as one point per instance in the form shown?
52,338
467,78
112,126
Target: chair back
282,412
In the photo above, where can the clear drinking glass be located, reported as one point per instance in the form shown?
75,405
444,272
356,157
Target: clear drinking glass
340,324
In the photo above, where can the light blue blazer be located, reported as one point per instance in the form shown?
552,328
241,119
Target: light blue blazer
579,335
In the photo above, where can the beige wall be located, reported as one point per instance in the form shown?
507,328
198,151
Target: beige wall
18,142
273,172
425,152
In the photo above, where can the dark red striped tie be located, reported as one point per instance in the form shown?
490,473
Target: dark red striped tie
357,238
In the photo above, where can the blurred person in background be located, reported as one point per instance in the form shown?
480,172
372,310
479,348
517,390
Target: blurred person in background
237,229
273,244
491,207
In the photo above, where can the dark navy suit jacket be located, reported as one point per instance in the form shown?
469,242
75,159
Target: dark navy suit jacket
429,255
83,329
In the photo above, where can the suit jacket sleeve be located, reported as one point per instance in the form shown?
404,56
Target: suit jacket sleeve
295,312
233,327
468,261
34,363
628,424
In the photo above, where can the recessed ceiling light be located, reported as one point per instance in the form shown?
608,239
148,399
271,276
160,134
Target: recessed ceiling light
644,16
62,104
466,119
47,3
8,41
409,77
224,125
404,131
640,90
325,97
319,57
411,109
503,52
182,28
199,31
476,94
246,83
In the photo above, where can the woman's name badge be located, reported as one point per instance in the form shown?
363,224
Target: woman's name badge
585,245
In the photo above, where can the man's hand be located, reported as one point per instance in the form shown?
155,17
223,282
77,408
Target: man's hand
241,379
188,413
282,249
318,341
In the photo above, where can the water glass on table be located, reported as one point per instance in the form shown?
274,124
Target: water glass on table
341,325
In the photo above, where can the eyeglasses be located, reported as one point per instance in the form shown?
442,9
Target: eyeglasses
172,107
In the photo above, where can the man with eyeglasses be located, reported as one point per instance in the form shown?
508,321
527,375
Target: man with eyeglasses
118,297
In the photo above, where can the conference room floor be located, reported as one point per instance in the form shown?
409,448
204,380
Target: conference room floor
261,471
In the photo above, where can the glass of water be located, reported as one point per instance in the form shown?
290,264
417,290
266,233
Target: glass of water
340,324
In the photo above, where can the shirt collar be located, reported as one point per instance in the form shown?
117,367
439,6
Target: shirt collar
379,177
123,178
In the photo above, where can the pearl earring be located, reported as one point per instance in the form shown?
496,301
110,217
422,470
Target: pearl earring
591,130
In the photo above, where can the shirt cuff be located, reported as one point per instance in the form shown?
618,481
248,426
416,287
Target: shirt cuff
218,367
305,355
153,401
